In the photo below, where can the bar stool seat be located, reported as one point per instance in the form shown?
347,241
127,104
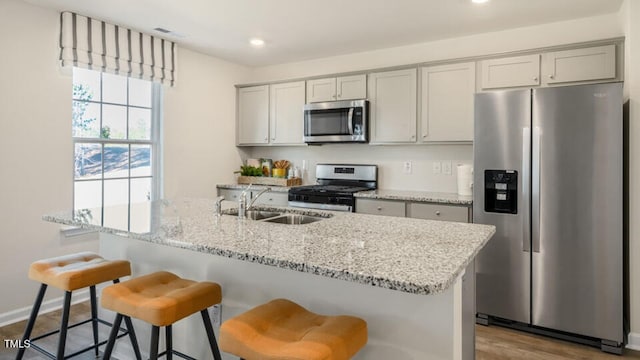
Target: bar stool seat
282,329
69,273
77,271
161,299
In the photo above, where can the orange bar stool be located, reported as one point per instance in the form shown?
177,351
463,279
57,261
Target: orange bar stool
161,299
69,273
282,329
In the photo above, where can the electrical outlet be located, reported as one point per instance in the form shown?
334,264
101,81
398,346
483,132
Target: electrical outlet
406,168
436,167
215,312
446,167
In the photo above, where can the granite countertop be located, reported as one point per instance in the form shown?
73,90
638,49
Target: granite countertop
417,196
254,187
409,255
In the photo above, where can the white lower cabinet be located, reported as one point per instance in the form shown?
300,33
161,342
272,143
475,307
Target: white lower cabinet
438,212
381,207
269,198
272,198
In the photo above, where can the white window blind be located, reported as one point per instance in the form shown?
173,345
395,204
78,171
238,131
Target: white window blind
93,44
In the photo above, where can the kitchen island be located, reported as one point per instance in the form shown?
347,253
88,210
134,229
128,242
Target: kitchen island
403,276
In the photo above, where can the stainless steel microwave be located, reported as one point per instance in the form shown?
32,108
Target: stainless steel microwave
336,121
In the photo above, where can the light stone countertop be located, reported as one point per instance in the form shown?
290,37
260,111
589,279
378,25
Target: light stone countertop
254,187
417,196
409,255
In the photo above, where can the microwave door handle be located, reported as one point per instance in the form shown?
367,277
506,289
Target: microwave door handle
350,121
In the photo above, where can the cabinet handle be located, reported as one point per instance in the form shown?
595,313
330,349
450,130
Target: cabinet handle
550,76
413,137
379,208
273,138
437,212
424,136
535,78
266,138
334,96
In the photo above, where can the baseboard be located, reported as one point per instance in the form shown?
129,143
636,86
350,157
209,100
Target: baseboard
633,341
14,316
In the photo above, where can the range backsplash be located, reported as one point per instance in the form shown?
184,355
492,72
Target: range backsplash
389,158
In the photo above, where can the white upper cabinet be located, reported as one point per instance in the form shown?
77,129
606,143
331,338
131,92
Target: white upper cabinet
594,63
253,115
511,72
341,88
447,102
351,87
286,118
393,106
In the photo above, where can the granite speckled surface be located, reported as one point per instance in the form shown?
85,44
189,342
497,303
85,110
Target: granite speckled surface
417,196
410,255
254,187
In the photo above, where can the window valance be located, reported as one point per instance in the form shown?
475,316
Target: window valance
97,45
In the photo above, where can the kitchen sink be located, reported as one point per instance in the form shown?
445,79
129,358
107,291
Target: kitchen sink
293,219
276,217
255,214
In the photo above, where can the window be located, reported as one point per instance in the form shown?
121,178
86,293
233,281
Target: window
116,132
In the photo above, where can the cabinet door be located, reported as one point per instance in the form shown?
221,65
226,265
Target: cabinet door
231,195
273,198
393,100
380,207
253,115
319,90
286,120
352,87
438,212
447,102
511,72
594,63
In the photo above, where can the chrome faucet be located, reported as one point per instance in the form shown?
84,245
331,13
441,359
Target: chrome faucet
242,203
218,208
256,197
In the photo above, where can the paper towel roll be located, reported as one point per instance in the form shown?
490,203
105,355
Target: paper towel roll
465,179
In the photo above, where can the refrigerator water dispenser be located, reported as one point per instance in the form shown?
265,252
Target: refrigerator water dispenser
501,191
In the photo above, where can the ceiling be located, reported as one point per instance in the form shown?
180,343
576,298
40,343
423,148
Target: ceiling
296,30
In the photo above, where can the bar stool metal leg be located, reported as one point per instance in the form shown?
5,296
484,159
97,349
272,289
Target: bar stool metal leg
112,337
94,317
64,325
32,319
153,351
132,337
168,336
210,334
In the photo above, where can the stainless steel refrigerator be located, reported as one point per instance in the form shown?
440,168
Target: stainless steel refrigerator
548,174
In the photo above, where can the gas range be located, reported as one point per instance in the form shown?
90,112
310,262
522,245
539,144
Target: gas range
337,184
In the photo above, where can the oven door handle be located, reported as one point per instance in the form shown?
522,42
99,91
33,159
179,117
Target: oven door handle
350,121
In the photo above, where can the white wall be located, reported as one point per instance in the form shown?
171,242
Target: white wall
37,152
630,13
36,148
199,126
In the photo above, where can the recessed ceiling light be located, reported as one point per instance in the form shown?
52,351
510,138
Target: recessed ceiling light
255,42
479,1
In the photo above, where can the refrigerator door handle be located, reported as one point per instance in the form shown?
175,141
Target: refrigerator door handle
526,167
535,190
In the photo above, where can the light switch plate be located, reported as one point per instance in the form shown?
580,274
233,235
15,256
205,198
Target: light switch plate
406,168
436,167
446,167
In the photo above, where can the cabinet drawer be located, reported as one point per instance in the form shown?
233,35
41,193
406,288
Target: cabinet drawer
274,199
381,207
438,212
230,195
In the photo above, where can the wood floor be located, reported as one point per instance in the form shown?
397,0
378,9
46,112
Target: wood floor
492,343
